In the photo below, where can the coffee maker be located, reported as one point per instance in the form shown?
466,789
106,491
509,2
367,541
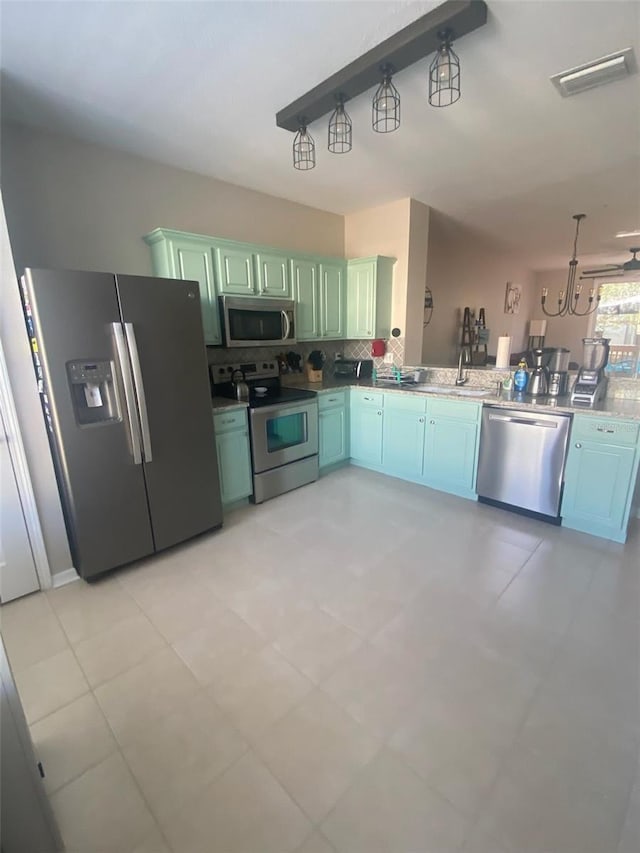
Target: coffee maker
558,371
591,383
538,385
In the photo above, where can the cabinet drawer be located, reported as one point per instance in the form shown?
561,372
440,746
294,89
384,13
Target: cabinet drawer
332,400
406,403
457,409
608,431
226,421
367,398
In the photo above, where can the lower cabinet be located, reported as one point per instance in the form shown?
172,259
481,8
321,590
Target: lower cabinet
234,455
600,475
366,427
403,436
333,435
451,446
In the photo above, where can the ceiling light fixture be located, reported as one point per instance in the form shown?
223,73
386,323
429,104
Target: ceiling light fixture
340,129
599,71
568,299
385,108
444,73
432,33
304,149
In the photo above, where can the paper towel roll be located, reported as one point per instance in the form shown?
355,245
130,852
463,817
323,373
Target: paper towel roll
504,351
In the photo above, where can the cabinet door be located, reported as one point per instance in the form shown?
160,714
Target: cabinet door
361,300
366,435
332,300
332,436
194,261
235,271
273,275
598,483
403,443
304,277
450,454
234,465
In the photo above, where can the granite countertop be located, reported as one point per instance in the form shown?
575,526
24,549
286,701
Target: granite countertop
224,404
617,407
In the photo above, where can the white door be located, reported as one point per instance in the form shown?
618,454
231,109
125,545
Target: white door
18,574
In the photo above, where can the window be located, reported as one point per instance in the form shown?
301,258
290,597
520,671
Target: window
618,318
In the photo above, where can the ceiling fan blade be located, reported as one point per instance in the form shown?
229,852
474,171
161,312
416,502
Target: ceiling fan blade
595,274
598,270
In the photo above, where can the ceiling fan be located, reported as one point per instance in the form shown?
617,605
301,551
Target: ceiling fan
632,265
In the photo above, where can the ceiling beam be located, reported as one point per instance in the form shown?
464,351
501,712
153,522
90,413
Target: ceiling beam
400,50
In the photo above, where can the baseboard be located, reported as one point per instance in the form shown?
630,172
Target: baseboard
65,577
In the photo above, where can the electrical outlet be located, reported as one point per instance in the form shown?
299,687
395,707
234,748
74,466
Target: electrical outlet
388,358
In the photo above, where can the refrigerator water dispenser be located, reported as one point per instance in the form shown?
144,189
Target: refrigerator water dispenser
93,392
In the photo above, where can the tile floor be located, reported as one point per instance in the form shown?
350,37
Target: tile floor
360,666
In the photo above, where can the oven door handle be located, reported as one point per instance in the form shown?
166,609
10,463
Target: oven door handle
303,406
286,325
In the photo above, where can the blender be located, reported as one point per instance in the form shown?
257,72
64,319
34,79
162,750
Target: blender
558,371
591,383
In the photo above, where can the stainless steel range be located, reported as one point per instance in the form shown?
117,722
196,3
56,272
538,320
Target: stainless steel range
283,424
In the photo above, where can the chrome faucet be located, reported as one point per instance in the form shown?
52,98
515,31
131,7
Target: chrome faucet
461,378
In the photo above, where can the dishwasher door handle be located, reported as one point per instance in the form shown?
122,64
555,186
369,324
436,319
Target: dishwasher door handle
524,421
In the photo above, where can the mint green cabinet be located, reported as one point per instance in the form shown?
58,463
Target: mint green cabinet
366,415
403,436
600,475
369,290
235,270
319,293
273,275
306,294
234,455
451,446
333,428
176,255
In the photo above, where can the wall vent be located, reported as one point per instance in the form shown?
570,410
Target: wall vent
606,69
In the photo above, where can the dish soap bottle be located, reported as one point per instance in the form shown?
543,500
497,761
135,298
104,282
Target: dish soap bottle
521,377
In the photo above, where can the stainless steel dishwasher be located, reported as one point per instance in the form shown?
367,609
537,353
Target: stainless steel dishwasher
522,457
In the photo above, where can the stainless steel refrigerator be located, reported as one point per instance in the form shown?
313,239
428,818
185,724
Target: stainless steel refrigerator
121,366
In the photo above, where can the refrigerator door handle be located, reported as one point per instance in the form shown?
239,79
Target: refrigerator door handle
139,385
129,393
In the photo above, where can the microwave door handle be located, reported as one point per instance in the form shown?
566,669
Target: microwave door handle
129,394
358,370
139,385
287,325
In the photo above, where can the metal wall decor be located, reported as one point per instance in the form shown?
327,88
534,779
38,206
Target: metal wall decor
432,33
444,73
340,129
385,108
568,299
304,150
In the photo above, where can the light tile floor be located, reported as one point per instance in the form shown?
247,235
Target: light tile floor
360,666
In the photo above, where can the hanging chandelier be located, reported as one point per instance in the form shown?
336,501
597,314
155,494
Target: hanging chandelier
569,297
432,33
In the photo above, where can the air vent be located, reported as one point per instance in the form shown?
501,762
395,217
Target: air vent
615,66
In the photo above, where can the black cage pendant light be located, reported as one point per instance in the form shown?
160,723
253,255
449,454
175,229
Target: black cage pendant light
385,109
340,129
304,149
444,73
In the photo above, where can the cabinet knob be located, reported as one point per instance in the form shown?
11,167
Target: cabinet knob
379,413
420,420
432,422
578,445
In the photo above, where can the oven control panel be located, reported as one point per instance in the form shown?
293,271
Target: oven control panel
251,370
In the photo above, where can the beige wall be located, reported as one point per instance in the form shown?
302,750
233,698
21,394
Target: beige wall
71,205
399,230
561,331
464,270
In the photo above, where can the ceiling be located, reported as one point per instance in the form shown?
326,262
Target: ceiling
197,85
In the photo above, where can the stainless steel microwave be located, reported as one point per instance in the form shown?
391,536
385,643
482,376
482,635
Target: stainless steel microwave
262,322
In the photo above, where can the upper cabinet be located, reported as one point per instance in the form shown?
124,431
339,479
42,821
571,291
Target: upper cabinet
184,256
248,271
319,292
273,275
369,289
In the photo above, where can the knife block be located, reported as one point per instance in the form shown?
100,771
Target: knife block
312,375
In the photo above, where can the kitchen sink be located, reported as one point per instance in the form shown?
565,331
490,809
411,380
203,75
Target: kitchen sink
453,390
